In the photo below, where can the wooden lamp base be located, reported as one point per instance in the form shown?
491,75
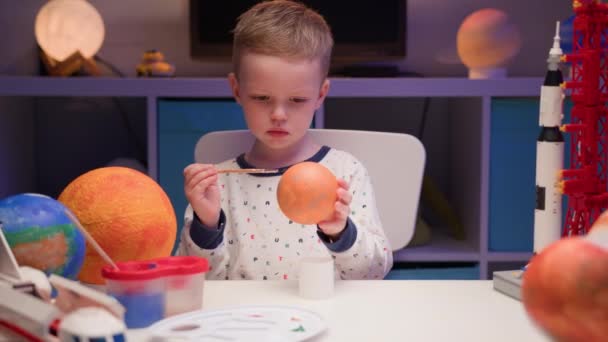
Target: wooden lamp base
76,63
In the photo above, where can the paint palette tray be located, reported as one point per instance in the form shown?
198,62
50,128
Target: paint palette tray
244,323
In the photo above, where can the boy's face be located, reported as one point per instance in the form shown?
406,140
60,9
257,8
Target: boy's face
279,96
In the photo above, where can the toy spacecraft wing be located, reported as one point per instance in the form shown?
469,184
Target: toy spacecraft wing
72,295
26,315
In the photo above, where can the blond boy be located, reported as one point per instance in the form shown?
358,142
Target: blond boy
281,58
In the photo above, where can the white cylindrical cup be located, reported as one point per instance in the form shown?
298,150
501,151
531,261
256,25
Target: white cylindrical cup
316,278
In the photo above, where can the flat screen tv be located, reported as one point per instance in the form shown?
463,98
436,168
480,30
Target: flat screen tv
364,30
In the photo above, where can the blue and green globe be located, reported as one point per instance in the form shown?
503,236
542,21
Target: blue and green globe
41,235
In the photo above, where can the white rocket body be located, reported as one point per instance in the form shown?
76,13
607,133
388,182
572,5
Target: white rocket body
549,161
549,155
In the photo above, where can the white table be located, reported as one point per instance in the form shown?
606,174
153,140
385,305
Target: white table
391,310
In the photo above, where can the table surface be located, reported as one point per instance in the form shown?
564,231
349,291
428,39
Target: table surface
390,310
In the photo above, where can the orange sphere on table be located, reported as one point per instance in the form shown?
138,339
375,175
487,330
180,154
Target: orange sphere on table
126,212
307,193
565,286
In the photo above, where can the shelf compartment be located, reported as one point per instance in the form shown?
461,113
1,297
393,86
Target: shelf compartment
514,131
509,256
440,248
434,270
181,122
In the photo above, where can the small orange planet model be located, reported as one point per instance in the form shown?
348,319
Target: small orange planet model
487,40
307,193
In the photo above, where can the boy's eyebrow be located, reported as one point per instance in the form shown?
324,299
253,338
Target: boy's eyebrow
262,94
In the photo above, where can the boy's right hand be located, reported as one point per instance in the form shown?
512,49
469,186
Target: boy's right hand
202,192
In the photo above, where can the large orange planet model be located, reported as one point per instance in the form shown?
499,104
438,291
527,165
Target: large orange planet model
565,287
126,212
307,193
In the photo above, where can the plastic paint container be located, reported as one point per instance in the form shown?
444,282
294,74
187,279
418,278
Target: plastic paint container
153,289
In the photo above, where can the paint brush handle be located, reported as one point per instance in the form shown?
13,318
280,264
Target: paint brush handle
248,171
90,239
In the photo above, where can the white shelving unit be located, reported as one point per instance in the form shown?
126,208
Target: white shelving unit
466,102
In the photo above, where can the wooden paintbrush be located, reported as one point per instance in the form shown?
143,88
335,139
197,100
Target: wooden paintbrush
91,240
248,171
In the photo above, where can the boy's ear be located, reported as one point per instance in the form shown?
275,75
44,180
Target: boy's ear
323,92
234,85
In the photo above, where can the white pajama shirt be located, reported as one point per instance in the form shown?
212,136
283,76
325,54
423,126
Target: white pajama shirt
255,240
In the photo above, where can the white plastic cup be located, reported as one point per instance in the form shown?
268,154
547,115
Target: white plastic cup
316,277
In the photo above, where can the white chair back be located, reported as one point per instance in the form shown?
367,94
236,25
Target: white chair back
395,163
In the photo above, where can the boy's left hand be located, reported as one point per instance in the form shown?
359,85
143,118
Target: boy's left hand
333,226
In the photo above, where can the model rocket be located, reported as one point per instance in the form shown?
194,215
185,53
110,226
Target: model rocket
549,154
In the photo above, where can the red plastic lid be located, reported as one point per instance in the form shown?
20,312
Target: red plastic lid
156,268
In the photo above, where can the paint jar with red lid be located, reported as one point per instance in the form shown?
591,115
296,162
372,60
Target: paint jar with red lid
151,290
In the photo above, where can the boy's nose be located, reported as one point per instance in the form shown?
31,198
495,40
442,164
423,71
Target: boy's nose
278,113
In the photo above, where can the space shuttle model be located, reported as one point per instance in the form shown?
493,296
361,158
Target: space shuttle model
549,153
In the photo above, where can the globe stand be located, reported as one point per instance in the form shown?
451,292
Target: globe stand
76,63
487,73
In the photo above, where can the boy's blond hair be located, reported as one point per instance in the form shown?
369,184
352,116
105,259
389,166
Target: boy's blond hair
283,28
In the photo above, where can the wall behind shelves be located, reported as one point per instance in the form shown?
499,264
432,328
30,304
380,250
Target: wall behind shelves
17,164
75,135
17,57
137,25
